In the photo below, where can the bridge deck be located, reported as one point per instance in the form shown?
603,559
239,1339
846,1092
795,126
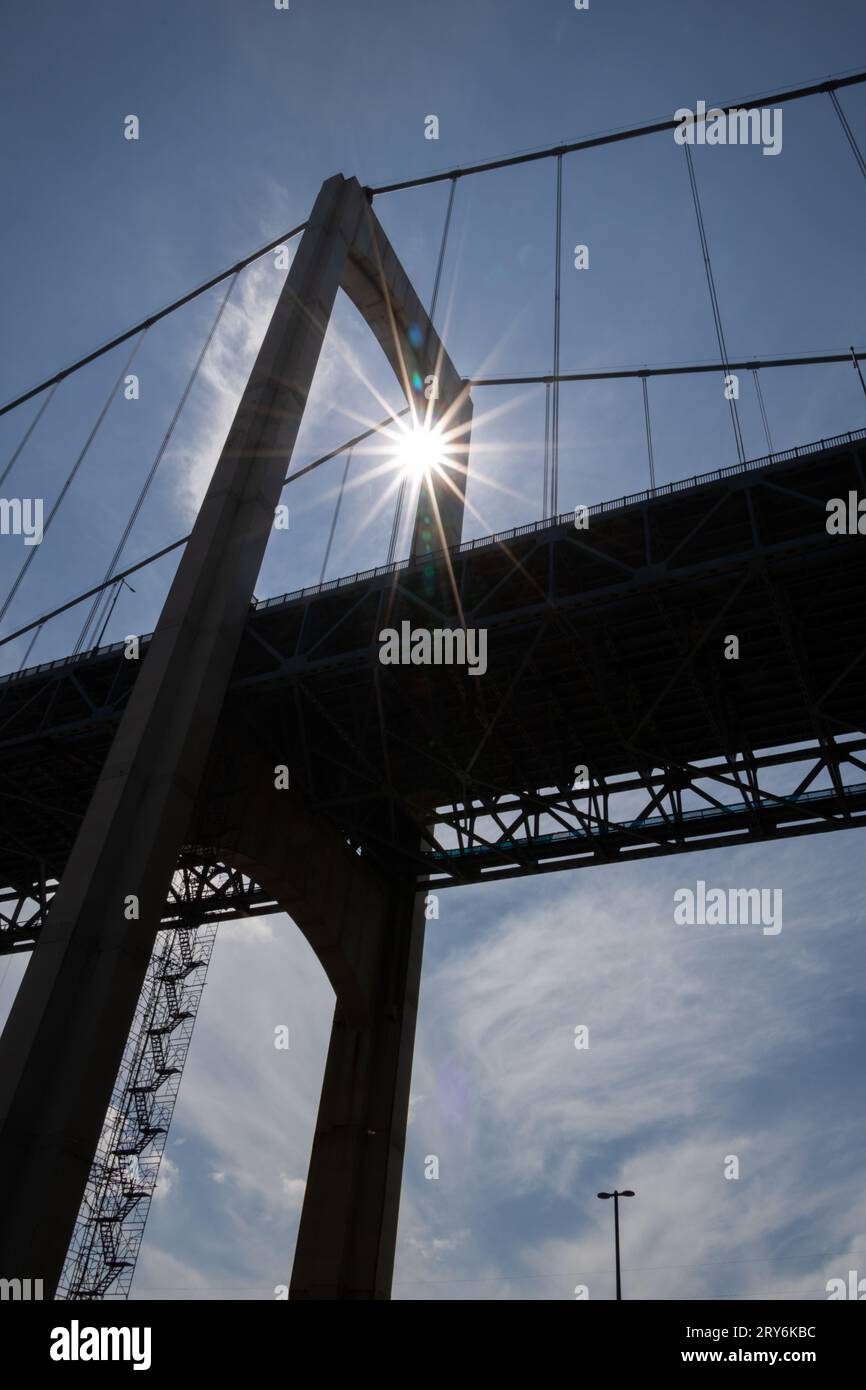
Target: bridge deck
605,648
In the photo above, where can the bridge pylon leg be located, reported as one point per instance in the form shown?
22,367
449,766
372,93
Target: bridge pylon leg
64,1039
348,1230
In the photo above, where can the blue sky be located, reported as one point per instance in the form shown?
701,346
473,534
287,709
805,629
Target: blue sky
702,1043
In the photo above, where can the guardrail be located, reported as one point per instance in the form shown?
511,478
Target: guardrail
630,499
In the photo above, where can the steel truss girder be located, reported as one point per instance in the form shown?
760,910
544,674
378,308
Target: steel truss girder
577,829
612,661
201,893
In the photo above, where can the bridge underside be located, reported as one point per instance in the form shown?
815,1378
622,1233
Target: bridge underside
606,650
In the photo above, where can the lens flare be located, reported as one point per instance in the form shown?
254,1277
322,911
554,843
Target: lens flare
418,452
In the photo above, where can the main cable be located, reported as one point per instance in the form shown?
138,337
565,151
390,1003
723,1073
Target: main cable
685,369
830,84
617,374
97,588
150,320
133,516
75,467
175,545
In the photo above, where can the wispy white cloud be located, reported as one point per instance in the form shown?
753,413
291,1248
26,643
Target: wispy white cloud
167,1180
687,1028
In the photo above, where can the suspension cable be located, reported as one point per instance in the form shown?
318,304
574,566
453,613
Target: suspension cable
27,433
831,85
151,319
649,435
685,369
618,374
23,662
438,279
133,516
350,444
554,452
760,395
107,601
714,300
855,148
30,646
117,588
327,554
88,593
615,136
401,491
175,545
544,511
75,467
395,524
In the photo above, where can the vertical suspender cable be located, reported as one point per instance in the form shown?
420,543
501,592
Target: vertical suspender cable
855,148
335,516
401,491
37,632
546,446
30,428
445,231
106,599
75,467
554,453
760,394
714,300
117,588
649,436
32,644
857,369
157,461
395,525
112,594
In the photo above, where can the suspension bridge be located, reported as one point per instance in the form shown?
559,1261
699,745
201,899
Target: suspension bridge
139,801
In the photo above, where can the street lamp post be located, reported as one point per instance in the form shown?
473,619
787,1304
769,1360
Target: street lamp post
616,1196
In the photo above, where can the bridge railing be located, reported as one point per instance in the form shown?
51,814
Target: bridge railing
630,499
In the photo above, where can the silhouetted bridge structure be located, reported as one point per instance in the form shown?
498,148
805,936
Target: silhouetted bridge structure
140,800
606,650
